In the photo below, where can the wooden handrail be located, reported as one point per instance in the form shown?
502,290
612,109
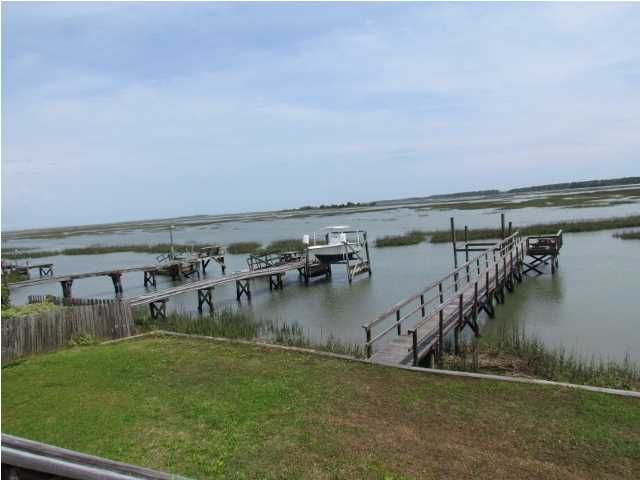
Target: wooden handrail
557,234
499,255
444,304
433,285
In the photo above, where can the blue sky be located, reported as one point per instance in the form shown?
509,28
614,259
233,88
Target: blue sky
121,111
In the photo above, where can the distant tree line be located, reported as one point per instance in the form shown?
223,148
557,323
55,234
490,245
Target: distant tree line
542,188
465,194
339,205
587,183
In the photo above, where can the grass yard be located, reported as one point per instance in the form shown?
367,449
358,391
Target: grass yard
218,410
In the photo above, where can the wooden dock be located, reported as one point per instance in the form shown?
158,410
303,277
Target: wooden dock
44,269
275,274
177,269
456,300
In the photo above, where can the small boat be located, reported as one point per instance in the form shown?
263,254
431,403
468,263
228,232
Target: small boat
340,243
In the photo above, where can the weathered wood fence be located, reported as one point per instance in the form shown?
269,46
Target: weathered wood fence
70,301
47,331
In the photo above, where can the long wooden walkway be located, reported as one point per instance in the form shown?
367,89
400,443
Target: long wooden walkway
447,305
176,268
45,269
157,300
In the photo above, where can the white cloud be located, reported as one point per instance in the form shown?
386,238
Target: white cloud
389,100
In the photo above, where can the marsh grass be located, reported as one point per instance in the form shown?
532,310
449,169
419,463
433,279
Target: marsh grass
238,248
573,226
410,238
234,324
570,200
514,352
9,311
283,245
628,235
103,249
12,277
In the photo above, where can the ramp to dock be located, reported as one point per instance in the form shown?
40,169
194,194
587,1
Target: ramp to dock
452,303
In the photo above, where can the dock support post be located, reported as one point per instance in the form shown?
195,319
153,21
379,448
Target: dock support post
440,336
176,272
502,229
414,342
306,266
398,322
507,280
46,271
116,278
476,329
455,254
276,284
243,286
456,340
466,250
158,309
205,264
346,256
456,332
150,278
366,249
368,346
453,242
66,290
205,297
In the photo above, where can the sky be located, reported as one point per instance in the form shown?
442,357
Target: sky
123,111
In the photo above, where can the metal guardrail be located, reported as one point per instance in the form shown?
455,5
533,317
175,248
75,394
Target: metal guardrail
26,459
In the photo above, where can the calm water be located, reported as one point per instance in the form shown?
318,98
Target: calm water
591,306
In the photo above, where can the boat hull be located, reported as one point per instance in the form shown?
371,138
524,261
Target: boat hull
333,253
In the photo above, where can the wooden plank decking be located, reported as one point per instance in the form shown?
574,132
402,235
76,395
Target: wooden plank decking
214,282
460,306
447,305
178,267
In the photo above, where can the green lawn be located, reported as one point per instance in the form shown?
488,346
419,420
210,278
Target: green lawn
218,410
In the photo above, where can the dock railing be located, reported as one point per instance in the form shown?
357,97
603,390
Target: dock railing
544,244
496,259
